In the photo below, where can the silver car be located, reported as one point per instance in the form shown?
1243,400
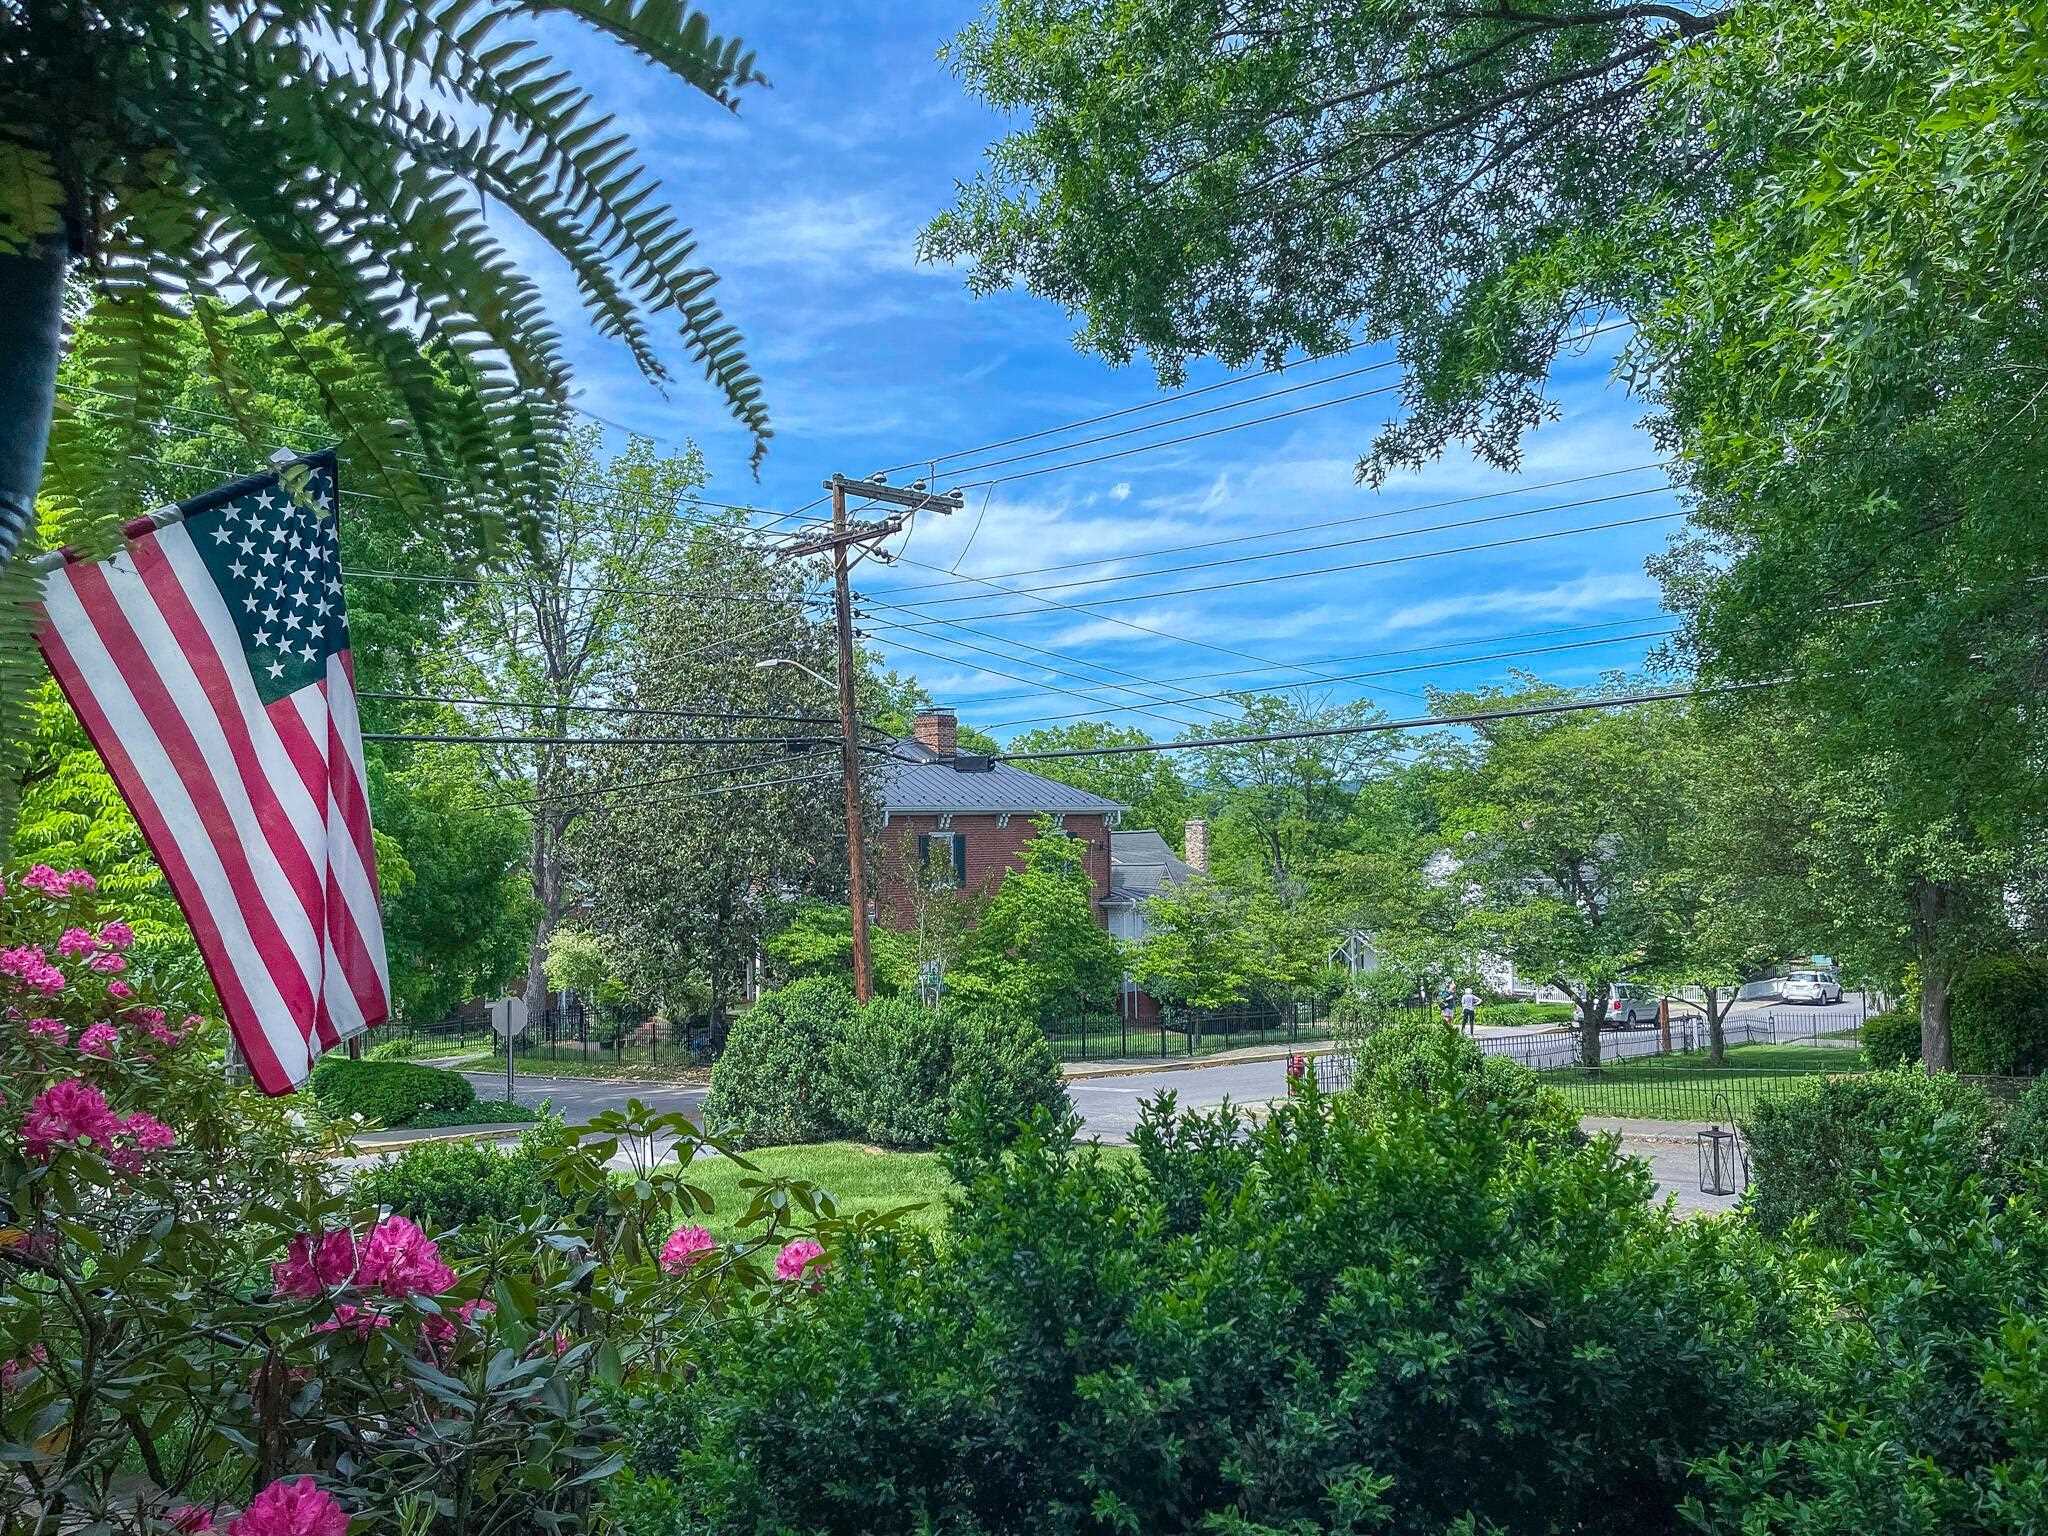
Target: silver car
1811,987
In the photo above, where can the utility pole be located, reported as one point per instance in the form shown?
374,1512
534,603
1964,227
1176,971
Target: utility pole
843,537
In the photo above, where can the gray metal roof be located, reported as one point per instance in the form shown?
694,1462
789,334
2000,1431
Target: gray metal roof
932,785
1141,862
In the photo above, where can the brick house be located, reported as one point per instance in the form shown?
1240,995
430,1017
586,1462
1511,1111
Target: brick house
979,815
976,813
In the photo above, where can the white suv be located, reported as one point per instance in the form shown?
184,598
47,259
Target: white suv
1630,1006
1811,987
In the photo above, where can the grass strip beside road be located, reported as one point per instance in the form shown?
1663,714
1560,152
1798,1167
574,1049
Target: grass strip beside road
636,1069
1687,1088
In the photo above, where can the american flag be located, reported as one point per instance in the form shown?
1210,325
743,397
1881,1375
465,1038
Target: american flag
209,662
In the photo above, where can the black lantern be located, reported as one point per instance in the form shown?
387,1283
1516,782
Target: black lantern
1722,1163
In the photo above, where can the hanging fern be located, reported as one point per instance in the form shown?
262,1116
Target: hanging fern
329,165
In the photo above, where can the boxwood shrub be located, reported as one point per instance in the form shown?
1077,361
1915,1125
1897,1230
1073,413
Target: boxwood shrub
1998,1012
446,1185
388,1092
1815,1148
771,1084
1892,1039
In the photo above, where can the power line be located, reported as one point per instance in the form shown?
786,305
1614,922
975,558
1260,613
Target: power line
596,709
1146,405
1352,677
370,573
1172,421
611,789
1274,533
1333,661
1325,570
793,743
1476,717
1304,549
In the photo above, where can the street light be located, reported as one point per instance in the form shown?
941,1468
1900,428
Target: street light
849,772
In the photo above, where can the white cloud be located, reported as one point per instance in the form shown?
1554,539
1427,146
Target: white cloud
1594,592
1121,491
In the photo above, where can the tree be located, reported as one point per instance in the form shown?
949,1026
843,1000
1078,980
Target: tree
343,167
1197,951
942,917
1553,829
555,629
1146,784
818,941
1039,953
1821,220
1281,807
693,854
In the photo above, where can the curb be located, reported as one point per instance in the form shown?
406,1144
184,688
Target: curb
615,1082
1133,1069
495,1132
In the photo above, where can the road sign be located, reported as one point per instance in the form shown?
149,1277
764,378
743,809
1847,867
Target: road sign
508,1016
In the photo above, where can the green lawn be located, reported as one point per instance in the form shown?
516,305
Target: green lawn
1686,1088
635,1063
858,1178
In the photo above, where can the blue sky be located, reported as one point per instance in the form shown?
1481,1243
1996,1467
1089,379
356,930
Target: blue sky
808,203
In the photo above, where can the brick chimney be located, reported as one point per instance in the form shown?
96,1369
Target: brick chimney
1195,842
937,731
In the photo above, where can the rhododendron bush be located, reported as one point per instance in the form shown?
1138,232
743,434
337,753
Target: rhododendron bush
201,1329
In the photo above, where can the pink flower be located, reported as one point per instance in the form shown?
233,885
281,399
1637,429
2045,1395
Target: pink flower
150,1015
190,1520
359,1320
56,1031
76,942
67,1112
437,1330
119,989
310,1267
12,1370
150,1133
107,964
685,1246
563,1343
401,1260
470,1311
118,935
796,1257
28,966
299,1508
99,1040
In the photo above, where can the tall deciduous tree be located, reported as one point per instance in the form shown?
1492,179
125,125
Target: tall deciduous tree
1552,835
693,855
1282,806
1146,784
556,627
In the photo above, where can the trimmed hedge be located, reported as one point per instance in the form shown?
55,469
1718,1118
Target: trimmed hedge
1526,1015
771,1084
1892,1039
809,1064
1816,1148
446,1185
1998,1013
388,1092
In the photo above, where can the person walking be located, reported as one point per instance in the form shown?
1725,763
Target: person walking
1470,1003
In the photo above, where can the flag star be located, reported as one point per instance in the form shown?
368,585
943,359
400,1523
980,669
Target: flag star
249,602
277,530
247,545
275,669
307,651
270,615
333,585
231,511
299,598
259,581
270,557
291,621
262,637
266,501
222,534
239,571
323,608
293,542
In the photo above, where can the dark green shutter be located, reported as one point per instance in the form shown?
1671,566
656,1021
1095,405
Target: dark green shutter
960,860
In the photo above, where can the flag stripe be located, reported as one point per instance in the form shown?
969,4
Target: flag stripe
191,604
210,667
293,972
89,676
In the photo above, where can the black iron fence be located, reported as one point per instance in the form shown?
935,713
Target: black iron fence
1188,1032
577,1035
